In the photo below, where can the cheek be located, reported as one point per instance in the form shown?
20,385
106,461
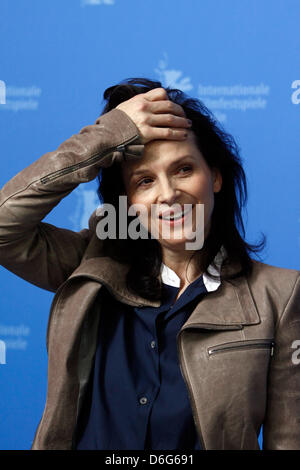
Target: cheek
138,198
132,195
201,188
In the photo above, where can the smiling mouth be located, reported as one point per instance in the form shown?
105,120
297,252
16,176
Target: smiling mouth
171,216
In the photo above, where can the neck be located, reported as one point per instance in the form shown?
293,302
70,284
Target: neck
184,263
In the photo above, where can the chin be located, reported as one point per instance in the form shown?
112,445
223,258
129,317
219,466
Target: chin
177,245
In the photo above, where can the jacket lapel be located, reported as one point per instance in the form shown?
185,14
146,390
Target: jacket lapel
112,275
228,307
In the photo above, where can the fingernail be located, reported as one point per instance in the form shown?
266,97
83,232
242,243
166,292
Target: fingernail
190,122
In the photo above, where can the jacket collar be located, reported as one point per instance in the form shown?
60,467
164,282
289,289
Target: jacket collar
228,305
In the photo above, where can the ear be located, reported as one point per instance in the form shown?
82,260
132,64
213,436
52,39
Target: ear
217,179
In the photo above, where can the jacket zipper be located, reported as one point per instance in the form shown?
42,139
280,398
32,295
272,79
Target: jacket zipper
192,401
89,161
247,344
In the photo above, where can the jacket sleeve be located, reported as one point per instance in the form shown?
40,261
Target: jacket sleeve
281,429
41,253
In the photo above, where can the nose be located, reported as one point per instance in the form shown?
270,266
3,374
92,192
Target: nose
167,191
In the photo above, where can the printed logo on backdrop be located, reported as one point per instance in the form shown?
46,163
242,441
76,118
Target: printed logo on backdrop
296,94
220,99
20,98
97,2
14,337
171,77
2,92
235,97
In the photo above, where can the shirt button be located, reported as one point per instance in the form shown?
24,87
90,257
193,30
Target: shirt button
153,344
143,401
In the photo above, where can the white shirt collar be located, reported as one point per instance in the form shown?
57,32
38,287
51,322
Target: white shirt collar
169,277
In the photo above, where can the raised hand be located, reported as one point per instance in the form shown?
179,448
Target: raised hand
156,116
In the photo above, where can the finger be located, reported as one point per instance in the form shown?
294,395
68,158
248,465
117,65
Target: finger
156,94
168,120
167,133
166,106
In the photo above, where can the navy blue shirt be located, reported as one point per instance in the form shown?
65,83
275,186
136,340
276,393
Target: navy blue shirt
137,397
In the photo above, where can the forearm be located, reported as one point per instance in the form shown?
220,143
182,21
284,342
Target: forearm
30,195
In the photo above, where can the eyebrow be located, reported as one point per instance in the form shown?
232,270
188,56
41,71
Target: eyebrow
174,163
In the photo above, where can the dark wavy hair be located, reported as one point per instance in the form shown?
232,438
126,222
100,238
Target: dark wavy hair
144,256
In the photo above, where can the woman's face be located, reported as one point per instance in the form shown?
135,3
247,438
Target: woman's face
169,175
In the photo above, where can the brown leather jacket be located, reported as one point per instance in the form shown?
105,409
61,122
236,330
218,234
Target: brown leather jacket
235,351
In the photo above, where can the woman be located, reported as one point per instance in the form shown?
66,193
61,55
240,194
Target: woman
152,345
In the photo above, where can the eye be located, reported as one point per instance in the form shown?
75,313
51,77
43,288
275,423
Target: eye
143,181
186,168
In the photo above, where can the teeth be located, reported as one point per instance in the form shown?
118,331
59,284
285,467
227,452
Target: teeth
172,217
175,217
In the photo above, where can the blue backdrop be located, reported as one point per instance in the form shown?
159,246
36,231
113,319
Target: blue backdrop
57,57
